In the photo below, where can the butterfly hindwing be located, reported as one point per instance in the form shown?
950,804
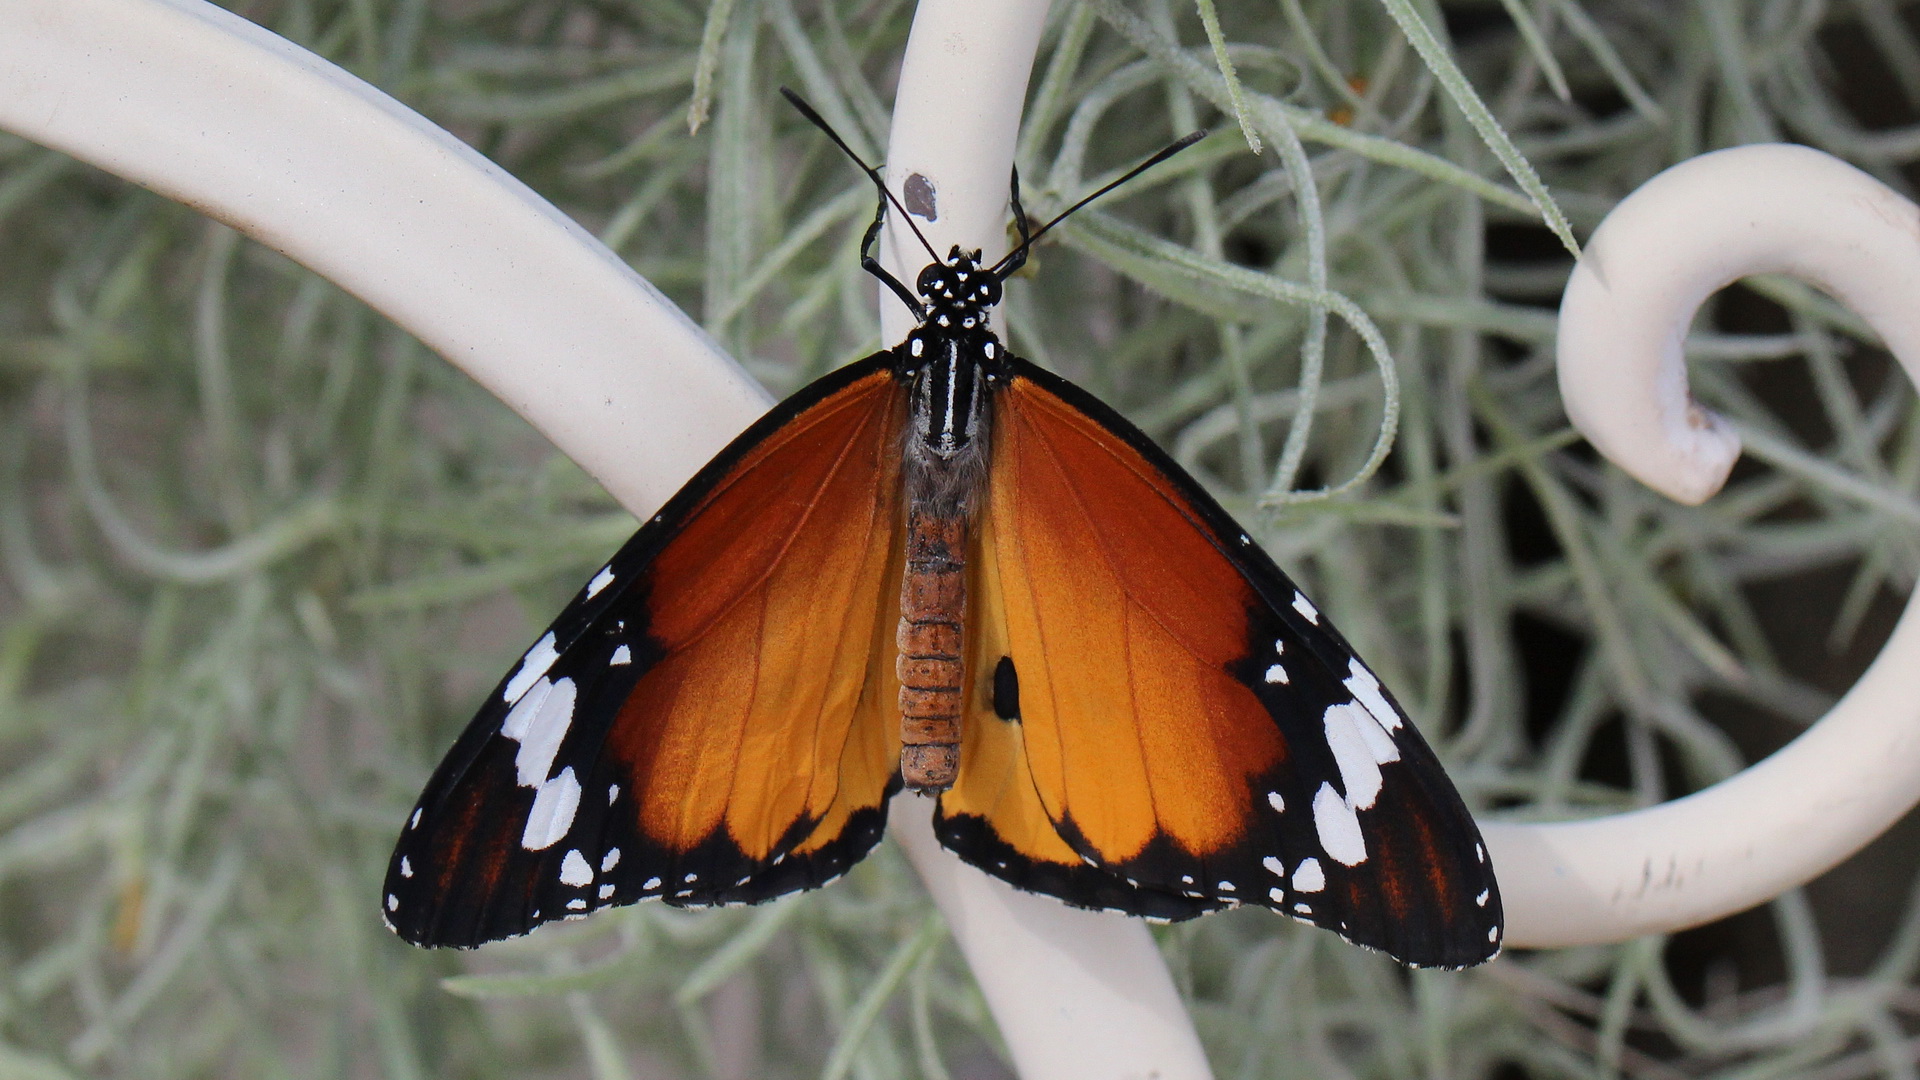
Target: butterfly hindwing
711,721
1193,731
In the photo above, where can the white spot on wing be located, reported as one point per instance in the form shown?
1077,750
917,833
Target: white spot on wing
576,904
1276,895
552,813
600,581
606,890
406,870
1304,909
1366,690
621,655
532,666
393,902
1493,935
1481,900
414,821
1226,886
1308,877
1305,607
650,884
1339,829
539,723
610,860
1359,773
1274,800
613,792
1277,674
574,870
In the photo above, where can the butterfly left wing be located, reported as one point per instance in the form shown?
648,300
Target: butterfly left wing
1169,726
711,721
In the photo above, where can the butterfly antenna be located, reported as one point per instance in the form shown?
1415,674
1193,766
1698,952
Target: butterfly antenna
1156,159
873,174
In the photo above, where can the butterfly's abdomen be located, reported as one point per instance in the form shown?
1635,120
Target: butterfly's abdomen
933,604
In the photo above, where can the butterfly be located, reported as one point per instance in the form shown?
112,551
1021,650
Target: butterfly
945,569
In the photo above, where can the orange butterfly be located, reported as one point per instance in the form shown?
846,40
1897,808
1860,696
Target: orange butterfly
943,568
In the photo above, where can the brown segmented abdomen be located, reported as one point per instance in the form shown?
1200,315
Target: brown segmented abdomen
933,603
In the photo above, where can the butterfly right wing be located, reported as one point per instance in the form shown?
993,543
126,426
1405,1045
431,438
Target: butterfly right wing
711,721
1178,728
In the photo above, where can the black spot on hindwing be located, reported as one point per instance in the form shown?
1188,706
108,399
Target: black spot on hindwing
1006,690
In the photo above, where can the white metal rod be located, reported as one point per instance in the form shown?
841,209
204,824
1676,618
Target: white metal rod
1078,995
1683,235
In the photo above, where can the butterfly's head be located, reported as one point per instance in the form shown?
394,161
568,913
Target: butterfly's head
958,290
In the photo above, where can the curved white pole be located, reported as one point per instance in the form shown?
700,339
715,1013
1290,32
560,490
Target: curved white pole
203,106
1666,248
1078,995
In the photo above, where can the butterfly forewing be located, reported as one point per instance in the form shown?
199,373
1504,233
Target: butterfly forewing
711,720
1191,729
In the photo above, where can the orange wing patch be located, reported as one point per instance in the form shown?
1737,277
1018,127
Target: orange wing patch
1190,733
772,607
1122,619
711,721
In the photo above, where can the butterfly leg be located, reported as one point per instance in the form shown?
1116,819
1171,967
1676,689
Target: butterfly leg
1016,258
872,265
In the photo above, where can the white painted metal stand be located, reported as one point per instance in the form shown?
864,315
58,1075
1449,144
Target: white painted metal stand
1684,234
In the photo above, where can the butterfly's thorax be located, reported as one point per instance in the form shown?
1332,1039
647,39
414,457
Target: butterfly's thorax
950,363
